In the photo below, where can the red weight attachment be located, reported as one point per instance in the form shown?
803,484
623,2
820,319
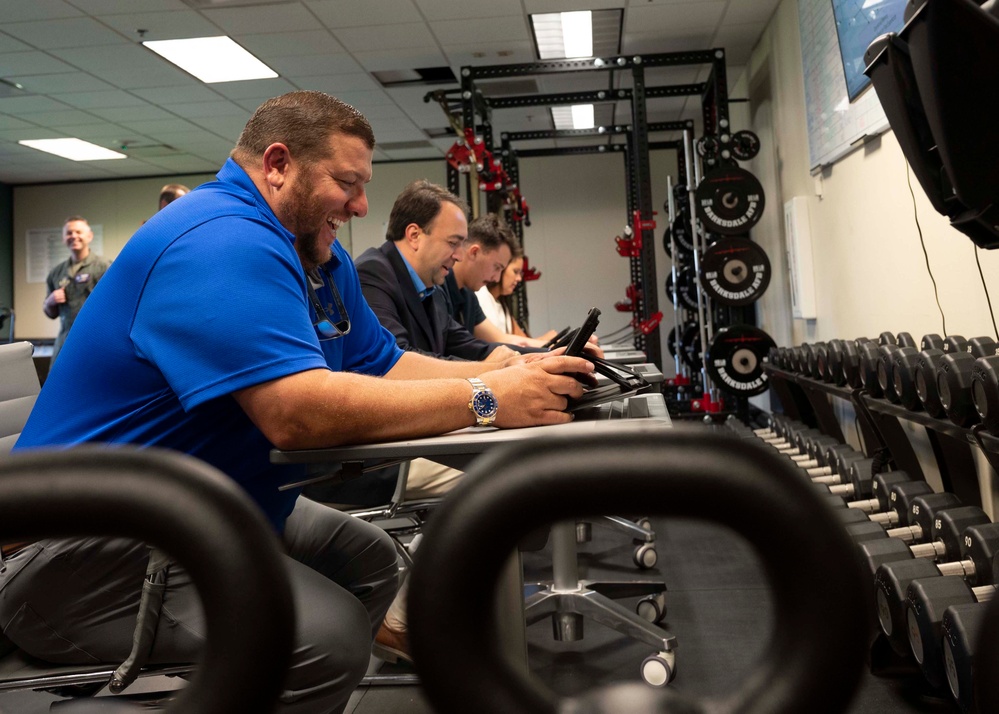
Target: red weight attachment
678,381
631,245
706,405
529,272
624,306
647,326
639,224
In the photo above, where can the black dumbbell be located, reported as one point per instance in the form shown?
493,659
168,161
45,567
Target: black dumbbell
851,362
892,493
954,381
886,357
979,545
903,370
985,391
835,358
914,523
944,543
961,625
925,374
926,601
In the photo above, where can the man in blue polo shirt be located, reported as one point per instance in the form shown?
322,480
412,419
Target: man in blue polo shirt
232,322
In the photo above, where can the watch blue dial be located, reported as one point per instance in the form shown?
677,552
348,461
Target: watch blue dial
483,403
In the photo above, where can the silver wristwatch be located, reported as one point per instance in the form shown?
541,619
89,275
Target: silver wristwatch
483,402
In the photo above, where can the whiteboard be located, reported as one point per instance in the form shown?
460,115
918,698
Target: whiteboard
835,125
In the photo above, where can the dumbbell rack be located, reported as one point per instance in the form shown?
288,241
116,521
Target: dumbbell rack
806,398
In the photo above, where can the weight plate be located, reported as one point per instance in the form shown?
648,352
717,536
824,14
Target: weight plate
686,287
682,233
745,145
735,359
735,271
690,346
708,146
730,201
683,254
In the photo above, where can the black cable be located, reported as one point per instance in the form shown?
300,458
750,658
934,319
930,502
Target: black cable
992,313
915,215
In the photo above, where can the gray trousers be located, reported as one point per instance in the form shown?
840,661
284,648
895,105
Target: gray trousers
75,601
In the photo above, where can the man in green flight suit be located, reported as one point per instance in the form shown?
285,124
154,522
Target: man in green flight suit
71,282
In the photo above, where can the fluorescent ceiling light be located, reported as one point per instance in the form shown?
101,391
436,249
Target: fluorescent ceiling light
577,116
75,149
563,34
212,59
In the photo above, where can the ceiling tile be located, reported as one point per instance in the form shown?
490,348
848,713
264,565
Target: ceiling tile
480,53
60,83
9,44
494,28
126,66
20,64
221,108
176,25
291,44
744,11
111,7
469,9
69,32
316,64
284,17
111,98
652,42
166,96
359,100
9,122
338,84
377,61
230,125
665,18
397,36
24,10
348,13
176,132
124,115
60,118
259,89
29,105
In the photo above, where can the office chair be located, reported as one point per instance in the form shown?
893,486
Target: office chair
179,504
682,472
18,390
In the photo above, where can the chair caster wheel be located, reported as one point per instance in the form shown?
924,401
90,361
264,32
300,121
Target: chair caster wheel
645,556
659,670
652,608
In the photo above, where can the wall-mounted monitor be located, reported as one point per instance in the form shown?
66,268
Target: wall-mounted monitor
858,22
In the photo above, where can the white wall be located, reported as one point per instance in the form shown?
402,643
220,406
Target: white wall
870,272
119,206
577,207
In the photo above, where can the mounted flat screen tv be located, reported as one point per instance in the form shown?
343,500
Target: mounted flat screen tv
858,22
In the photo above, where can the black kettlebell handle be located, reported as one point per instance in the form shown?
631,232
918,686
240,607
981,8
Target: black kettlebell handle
820,595
202,519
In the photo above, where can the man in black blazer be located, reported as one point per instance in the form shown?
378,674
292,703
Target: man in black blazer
402,278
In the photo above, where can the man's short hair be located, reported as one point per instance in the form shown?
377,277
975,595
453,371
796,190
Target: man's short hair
171,192
491,232
419,203
76,218
303,121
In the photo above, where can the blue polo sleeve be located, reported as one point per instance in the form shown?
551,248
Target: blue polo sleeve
226,309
